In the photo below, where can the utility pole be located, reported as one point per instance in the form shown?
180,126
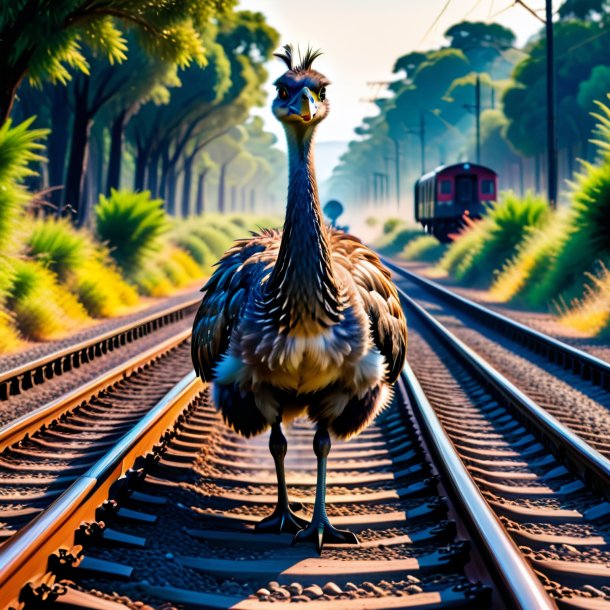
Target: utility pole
477,110
550,102
551,134
397,167
422,140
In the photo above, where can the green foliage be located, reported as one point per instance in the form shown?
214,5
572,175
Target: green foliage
217,241
57,245
132,225
395,242
391,224
19,147
486,246
42,309
426,249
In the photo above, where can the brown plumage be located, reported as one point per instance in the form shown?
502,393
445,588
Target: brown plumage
302,321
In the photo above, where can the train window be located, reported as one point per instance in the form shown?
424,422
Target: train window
487,187
445,187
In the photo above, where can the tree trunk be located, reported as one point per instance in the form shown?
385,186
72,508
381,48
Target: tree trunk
186,186
117,130
200,202
57,144
140,172
164,172
153,173
170,188
233,198
252,200
9,83
221,187
77,163
537,175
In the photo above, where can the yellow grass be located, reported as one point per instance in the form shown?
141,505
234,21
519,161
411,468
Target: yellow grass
591,314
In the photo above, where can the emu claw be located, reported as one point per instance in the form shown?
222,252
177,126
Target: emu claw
322,533
280,520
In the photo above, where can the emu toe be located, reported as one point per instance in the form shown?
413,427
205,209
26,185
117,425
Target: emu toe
279,521
321,532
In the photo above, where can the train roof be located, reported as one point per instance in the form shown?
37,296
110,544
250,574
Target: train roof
442,168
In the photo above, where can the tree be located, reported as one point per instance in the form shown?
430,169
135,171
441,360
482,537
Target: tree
45,40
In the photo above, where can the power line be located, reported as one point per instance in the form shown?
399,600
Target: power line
503,10
436,20
530,10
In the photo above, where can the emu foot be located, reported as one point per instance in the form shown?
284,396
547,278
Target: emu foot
281,520
321,532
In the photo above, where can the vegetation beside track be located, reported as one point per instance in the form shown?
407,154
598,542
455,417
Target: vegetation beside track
54,277
529,256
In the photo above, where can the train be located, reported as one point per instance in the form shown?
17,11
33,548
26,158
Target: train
444,196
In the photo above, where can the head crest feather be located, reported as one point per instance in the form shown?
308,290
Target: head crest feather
305,60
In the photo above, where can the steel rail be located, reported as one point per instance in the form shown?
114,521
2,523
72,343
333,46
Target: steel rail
516,575
587,463
26,376
17,429
586,365
24,557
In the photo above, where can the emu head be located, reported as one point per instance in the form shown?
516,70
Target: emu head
301,91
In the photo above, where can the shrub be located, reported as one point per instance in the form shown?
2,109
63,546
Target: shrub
520,278
42,309
18,148
424,248
101,289
215,240
591,313
58,246
494,240
392,224
9,337
132,225
395,242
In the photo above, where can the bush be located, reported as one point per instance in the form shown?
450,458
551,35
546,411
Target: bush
591,313
42,309
132,225
101,289
520,278
395,242
392,224
492,242
425,248
58,246
214,239
18,148
9,337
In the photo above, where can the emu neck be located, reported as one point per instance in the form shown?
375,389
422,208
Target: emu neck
303,281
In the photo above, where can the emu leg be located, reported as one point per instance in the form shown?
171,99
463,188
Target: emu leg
320,531
282,519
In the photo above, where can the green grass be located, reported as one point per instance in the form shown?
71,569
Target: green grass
591,312
484,247
425,249
390,225
131,224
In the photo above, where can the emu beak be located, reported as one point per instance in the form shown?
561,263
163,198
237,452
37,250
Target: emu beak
304,104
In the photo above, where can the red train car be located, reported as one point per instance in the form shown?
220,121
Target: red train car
445,195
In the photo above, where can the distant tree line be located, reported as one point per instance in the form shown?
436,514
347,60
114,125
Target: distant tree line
429,117
148,95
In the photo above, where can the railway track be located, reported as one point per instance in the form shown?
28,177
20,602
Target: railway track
465,494
21,379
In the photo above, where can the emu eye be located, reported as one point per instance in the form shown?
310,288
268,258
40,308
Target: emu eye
322,94
282,93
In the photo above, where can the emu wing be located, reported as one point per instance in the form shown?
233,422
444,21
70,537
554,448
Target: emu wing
380,298
225,295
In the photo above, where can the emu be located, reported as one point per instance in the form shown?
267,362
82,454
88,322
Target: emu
303,321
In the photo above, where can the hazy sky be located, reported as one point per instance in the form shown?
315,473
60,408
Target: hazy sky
361,39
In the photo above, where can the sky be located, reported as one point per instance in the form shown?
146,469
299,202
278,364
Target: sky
362,39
